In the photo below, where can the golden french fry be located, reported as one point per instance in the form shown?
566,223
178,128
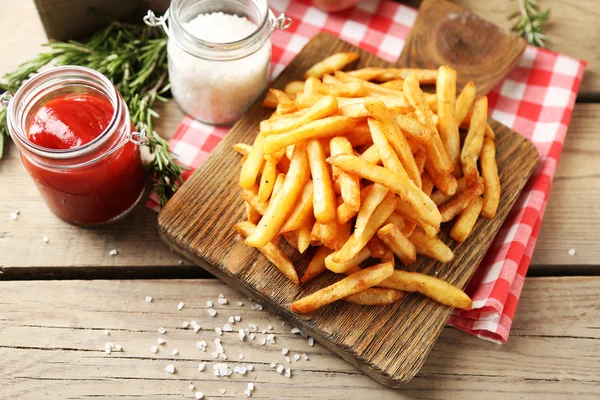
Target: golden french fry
413,128
420,159
331,64
466,220
439,198
371,155
253,163
344,266
454,206
444,181
267,180
257,204
372,89
354,283
402,247
292,239
317,264
359,135
489,171
397,84
366,74
323,108
283,203
465,101
359,238
344,213
395,219
278,184
311,85
369,204
242,148
407,212
405,188
286,109
304,238
489,132
349,184
315,234
446,111
387,154
424,76
378,248
271,252
396,140
334,235
252,215
305,100
294,87
322,128
358,110
324,199
374,297
349,89
474,140
427,184
431,247
302,212
434,288
330,79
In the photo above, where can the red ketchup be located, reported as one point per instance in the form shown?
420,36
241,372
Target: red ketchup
89,194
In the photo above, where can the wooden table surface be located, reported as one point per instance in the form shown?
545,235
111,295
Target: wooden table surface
51,332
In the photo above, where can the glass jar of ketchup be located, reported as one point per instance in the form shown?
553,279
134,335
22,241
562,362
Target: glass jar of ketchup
78,144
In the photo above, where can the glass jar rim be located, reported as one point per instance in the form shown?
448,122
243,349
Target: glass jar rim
35,84
224,47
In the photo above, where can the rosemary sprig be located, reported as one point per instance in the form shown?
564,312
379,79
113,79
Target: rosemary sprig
530,22
134,58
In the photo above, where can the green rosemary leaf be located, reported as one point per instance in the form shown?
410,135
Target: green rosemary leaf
530,22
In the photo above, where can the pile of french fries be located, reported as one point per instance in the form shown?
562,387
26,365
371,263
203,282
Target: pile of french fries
365,165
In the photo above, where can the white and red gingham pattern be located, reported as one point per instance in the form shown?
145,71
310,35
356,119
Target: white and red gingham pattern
536,99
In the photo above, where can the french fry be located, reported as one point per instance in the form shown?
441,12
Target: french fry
311,85
304,238
372,89
439,198
387,154
344,266
324,204
413,128
323,108
446,111
334,235
427,184
294,87
317,264
278,183
420,159
434,288
374,297
396,139
359,135
354,283
424,76
257,204
405,188
302,212
253,163
267,180
454,206
305,100
242,148
286,109
489,171
331,64
371,155
377,248
445,182
464,101
359,238
397,84
406,211
326,127
344,213
402,247
489,132
271,252
349,184
315,234
466,220
292,239
474,140
366,74
395,219
251,214
431,247
373,198
344,89
281,206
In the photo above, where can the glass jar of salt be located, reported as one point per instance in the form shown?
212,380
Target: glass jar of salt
219,54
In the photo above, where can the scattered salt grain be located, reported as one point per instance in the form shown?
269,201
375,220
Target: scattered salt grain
240,370
264,332
287,359
180,262
263,341
154,349
161,340
271,338
572,252
231,320
212,312
250,367
227,328
45,239
240,303
113,252
311,342
209,304
185,324
222,370
270,327
106,332
195,326
288,373
222,391
191,387
180,305
252,336
220,349
273,365
199,395
295,331
237,318
279,369
219,331
242,334
296,357
247,393
256,306
175,352
201,345
162,330
201,367
284,351
170,368
252,327
222,301
117,347
241,357
15,214
305,356
148,299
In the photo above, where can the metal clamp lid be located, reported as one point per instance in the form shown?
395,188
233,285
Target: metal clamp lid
6,98
139,138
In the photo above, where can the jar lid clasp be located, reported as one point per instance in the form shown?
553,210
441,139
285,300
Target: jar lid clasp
283,22
151,19
6,98
139,138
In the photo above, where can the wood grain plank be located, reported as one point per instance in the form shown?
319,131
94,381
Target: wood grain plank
553,351
199,219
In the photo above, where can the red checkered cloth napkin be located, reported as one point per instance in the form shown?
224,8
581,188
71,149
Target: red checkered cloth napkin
536,99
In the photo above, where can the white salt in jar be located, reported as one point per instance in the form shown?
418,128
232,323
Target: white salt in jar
219,55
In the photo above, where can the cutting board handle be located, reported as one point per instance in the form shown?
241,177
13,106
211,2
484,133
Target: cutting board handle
447,34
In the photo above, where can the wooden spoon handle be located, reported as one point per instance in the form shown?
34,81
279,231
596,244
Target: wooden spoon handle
447,34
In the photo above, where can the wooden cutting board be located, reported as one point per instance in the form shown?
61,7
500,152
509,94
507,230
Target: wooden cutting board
388,343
